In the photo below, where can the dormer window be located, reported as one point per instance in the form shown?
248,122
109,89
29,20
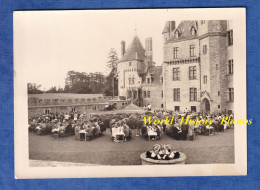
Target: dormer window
193,31
151,79
176,34
130,63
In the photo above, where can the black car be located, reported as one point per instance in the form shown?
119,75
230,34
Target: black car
110,107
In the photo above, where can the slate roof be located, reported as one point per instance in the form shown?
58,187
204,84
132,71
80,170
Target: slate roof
184,29
155,70
166,27
134,51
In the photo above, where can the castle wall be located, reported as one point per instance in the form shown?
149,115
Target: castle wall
184,84
213,65
217,52
128,70
183,49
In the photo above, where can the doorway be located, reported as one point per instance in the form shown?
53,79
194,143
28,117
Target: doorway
207,106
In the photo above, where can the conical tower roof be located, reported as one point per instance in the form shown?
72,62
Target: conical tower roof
134,51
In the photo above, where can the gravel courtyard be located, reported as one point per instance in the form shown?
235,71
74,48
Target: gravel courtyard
43,151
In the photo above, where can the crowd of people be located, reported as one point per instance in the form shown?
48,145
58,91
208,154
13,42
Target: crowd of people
66,124
122,124
182,131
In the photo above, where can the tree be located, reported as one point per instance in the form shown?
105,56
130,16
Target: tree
52,90
83,83
33,88
112,65
108,90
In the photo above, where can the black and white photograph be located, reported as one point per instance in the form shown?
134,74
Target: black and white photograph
131,93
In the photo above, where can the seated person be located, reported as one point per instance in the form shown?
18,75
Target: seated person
178,133
126,131
151,130
144,131
158,131
185,129
209,128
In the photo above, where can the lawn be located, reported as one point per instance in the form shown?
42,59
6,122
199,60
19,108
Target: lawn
218,148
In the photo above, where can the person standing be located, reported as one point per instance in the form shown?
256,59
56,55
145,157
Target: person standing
149,107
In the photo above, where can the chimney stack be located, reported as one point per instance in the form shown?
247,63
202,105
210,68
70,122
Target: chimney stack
172,26
122,48
148,44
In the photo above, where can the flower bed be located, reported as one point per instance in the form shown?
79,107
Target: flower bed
149,161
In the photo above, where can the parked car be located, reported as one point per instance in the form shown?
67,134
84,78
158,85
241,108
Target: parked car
110,107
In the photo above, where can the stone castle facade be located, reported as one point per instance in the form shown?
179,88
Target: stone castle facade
197,70
138,77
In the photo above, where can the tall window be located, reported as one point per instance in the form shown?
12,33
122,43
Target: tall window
192,50
192,73
175,53
176,94
193,31
144,94
203,22
176,34
205,79
230,66
133,80
130,63
176,73
148,80
193,94
230,37
162,93
161,79
231,94
151,79
205,49
129,81
148,94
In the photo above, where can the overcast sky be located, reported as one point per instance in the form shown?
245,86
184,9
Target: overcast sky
54,42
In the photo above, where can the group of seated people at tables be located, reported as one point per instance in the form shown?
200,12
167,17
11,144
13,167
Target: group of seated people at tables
151,132
120,131
88,129
47,126
184,131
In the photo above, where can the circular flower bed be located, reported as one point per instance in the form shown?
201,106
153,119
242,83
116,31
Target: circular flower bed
162,154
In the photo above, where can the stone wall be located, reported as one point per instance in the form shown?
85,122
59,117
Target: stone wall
183,49
184,84
156,99
127,71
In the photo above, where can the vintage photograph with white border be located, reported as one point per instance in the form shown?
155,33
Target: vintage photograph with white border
130,93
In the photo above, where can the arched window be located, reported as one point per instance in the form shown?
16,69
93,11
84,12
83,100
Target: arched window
193,31
176,34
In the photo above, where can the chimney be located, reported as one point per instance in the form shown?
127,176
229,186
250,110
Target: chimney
122,48
149,44
172,25
149,49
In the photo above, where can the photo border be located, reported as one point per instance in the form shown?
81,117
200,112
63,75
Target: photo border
22,169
